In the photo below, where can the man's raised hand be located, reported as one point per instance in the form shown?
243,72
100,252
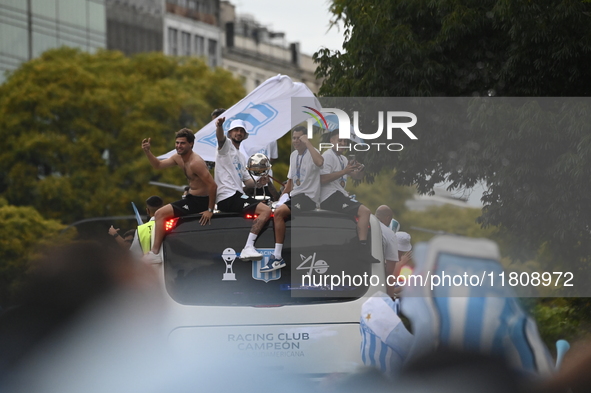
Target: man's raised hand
146,144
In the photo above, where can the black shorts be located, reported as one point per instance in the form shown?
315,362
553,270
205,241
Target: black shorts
301,202
237,204
339,203
191,204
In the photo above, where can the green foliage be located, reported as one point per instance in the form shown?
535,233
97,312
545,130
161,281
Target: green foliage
23,229
383,191
561,318
459,48
72,125
445,219
536,162
281,166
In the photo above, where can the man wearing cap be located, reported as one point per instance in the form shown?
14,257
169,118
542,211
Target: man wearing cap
230,173
303,188
202,192
333,178
389,243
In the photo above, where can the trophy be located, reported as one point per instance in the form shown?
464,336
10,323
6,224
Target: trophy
258,165
229,255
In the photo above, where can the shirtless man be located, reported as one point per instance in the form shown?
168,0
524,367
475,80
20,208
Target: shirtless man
201,195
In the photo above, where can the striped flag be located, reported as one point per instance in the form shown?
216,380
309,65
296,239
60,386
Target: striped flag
385,342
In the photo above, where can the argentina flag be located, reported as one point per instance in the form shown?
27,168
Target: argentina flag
385,342
485,318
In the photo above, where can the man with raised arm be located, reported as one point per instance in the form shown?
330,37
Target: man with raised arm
202,192
230,173
303,187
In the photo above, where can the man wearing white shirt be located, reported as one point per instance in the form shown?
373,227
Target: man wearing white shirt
333,178
230,173
303,186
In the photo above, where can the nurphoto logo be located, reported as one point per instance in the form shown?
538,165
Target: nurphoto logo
394,121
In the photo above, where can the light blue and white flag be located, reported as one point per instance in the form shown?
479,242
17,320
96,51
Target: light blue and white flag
266,111
485,318
385,342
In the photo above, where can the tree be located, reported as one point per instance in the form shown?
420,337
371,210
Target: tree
459,48
72,125
22,231
535,162
389,193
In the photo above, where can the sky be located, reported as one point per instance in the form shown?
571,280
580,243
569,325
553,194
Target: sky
303,21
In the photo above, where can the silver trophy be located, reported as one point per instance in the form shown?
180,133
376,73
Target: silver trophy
229,255
258,165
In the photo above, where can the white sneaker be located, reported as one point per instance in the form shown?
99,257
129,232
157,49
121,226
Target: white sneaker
152,258
249,253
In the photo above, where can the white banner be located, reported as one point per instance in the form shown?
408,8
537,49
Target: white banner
267,113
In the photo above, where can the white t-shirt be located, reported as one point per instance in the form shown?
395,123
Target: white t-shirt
270,151
389,243
333,162
230,171
309,175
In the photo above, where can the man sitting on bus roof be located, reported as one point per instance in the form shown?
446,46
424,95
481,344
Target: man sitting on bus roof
230,173
303,187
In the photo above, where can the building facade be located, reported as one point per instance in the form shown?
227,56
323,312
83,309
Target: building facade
191,28
174,27
205,28
254,53
30,27
135,26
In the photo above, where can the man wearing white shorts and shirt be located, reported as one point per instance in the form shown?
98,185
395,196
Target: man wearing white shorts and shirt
230,173
333,178
303,187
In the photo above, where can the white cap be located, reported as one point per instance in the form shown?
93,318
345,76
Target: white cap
238,124
403,241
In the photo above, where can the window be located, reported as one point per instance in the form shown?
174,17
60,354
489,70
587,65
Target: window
199,45
73,12
197,273
14,41
212,53
44,8
185,44
172,41
97,17
43,42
